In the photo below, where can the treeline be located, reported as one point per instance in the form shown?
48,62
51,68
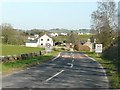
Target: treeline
12,36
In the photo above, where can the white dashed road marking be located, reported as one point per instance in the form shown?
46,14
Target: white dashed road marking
73,60
54,75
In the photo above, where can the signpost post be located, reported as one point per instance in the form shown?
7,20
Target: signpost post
98,48
48,47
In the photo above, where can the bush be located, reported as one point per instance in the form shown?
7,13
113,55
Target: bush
62,48
80,47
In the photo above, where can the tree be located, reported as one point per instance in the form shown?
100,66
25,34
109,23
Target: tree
104,22
11,35
7,32
72,38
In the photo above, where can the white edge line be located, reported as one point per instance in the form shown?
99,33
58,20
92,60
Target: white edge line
99,65
56,57
54,75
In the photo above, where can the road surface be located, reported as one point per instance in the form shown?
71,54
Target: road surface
69,70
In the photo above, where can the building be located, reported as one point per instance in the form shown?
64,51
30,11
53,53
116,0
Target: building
89,44
63,34
39,41
33,37
54,34
45,39
80,33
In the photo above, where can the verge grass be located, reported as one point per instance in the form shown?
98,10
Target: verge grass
110,68
10,67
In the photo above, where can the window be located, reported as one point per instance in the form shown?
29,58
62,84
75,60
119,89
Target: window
41,39
41,44
47,39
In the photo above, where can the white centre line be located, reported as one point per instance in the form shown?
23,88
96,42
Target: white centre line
73,60
54,75
73,55
71,65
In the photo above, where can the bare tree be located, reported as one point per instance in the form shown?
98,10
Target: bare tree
104,21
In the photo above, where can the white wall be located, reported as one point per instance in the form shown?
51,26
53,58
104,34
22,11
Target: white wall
31,45
45,37
39,42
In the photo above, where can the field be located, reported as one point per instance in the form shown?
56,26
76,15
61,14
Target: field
16,50
84,37
80,38
10,67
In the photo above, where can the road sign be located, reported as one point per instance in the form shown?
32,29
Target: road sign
48,47
98,48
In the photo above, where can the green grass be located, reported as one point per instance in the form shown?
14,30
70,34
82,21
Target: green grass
60,38
80,37
16,50
110,67
10,67
84,37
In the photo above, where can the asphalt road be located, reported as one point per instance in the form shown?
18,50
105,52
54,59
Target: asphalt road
69,70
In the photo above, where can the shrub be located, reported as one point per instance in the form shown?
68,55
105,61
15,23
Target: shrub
79,47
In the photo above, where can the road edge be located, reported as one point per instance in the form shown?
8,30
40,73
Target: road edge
56,57
101,67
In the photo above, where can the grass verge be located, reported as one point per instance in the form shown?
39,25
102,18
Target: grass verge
22,64
110,67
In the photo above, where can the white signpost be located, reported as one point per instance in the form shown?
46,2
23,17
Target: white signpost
98,48
48,47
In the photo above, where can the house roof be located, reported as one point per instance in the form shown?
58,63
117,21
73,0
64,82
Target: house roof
31,41
35,41
45,35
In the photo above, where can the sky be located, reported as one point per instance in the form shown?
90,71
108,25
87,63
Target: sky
48,15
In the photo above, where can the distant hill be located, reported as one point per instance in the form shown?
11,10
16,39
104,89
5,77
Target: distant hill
57,30
84,30
67,31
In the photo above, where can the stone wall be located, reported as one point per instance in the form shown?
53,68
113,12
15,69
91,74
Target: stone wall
12,58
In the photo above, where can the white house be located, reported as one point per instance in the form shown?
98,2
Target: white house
80,33
54,34
40,41
63,34
31,43
34,37
45,39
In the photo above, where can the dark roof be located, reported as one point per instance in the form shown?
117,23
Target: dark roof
31,41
